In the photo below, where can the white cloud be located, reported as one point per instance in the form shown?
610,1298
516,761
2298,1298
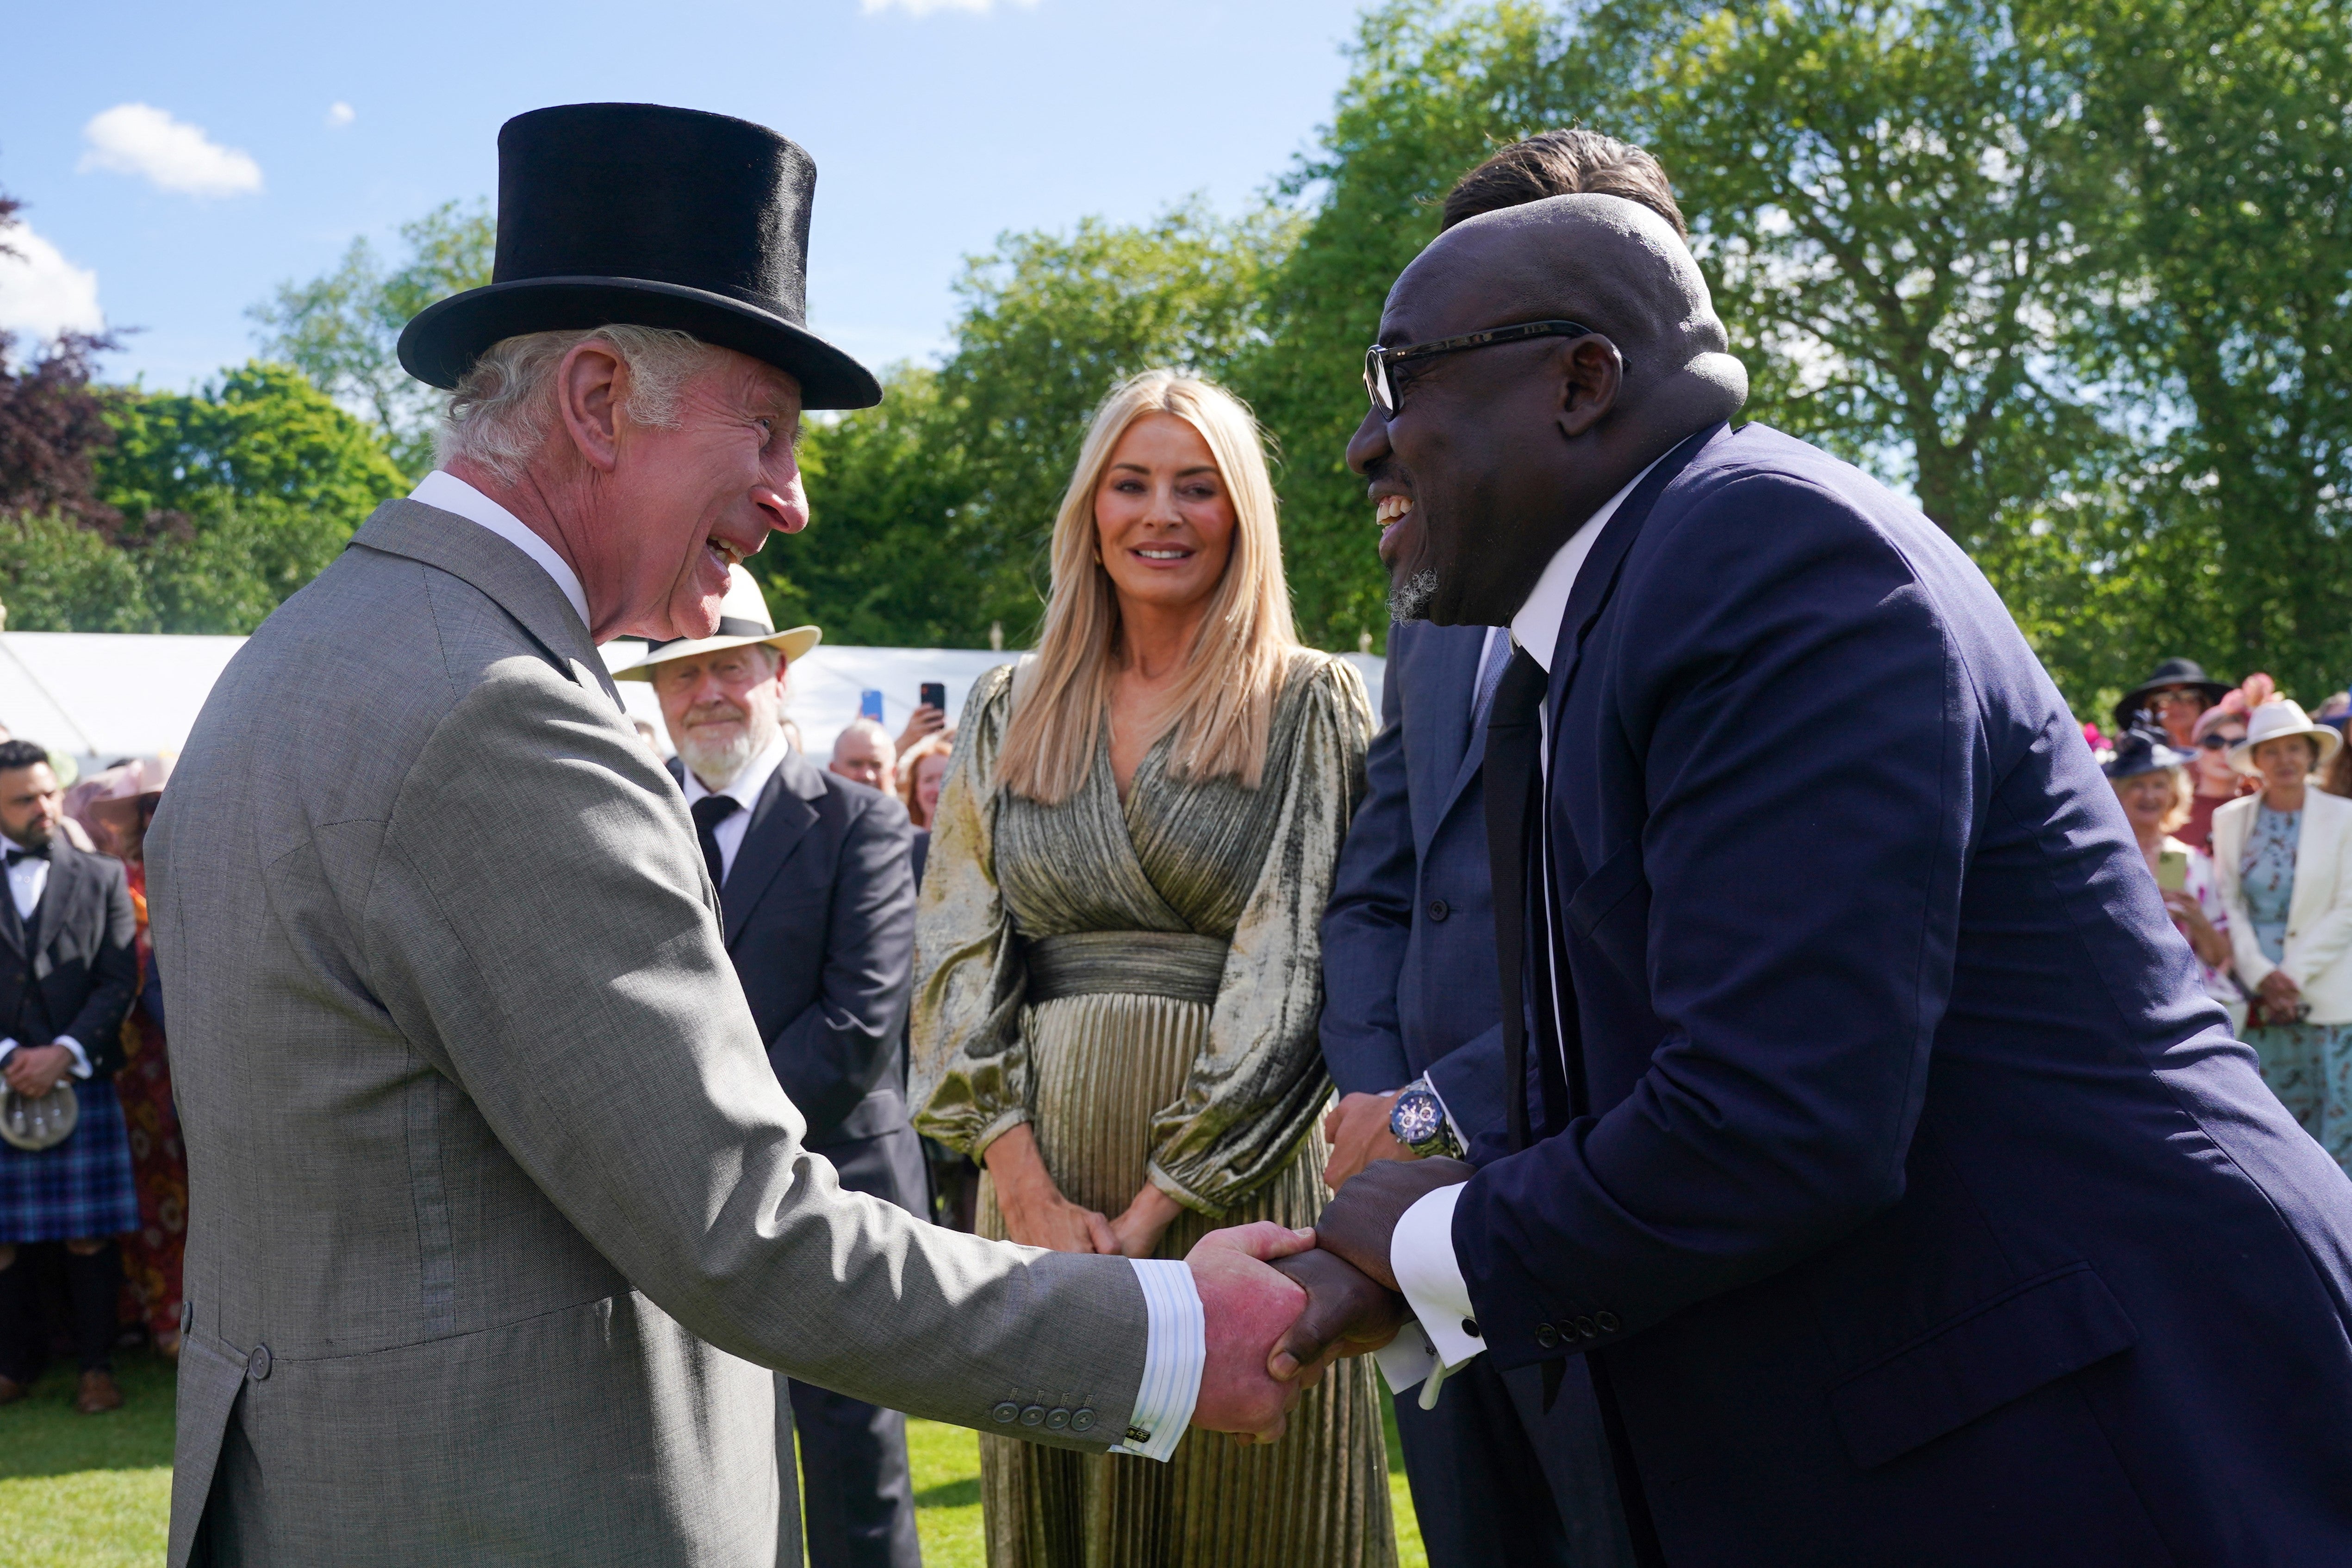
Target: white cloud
42,293
173,155
339,114
925,7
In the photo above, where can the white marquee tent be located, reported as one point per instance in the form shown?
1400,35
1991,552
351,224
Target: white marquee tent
101,696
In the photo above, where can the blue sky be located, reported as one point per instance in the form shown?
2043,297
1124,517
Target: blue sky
179,161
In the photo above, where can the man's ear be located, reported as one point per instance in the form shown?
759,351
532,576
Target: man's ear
1591,371
590,386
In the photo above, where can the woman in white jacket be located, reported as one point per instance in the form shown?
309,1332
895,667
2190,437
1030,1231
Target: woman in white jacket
2285,857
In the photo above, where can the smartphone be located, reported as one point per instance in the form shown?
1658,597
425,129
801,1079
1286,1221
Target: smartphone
869,705
2172,870
935,692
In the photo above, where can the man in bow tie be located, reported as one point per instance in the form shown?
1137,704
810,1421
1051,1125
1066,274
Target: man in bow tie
67,971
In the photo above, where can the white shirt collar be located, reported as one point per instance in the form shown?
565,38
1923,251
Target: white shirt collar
749,780
1536,626
448,492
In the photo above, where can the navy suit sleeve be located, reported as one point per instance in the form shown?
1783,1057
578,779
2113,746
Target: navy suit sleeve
838,1047
1800,761
1469,1079
114,975
1370,920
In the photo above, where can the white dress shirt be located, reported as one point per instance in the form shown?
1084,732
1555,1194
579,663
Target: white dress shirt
449,493
1421,1248
27,880
743,789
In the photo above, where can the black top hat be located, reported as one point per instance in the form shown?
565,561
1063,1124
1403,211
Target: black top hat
656,218
2171,672
2143,751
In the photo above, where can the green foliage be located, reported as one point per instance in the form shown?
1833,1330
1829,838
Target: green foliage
57,575
932,512
341,329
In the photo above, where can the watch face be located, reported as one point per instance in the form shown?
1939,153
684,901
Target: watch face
1414,1120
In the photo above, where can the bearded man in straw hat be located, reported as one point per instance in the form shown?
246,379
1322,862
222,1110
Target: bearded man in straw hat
500,1217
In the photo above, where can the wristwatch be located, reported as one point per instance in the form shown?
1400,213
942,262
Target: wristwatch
1418,1121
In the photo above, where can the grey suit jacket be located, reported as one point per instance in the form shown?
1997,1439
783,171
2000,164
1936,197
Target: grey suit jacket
496,1201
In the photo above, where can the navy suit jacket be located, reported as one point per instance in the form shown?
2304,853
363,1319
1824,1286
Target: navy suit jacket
1409,977
819,920
1925,1210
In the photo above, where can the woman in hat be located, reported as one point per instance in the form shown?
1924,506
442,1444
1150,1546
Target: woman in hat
2284,860
1118,964
2217,779
2151,781
2170,699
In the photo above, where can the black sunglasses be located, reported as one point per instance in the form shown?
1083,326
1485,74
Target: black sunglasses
1385,390
2216,742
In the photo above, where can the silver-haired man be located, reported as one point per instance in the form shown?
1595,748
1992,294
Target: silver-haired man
499,1214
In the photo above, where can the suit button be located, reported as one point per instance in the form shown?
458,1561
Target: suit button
1033,1415
1081,1419
1007,1412
257,1365
1588,1328
1470,1327
1608,1322
1056,1418
187,1317
1547,1336
1438,909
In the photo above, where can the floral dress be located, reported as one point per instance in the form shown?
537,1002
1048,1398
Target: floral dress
2308,1066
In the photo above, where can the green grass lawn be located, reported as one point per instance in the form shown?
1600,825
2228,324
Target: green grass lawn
92,1491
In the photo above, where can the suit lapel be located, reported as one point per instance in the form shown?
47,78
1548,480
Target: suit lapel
12,925
786,810
1597,577
519,585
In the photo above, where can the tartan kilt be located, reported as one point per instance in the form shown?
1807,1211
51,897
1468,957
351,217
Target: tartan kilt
81,1187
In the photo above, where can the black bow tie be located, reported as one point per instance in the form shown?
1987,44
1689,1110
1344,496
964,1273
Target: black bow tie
16,854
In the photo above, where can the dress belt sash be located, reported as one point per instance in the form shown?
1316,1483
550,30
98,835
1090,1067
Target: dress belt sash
1183,966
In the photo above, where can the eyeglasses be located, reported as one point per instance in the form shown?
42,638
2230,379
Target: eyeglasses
2217,741
1386,391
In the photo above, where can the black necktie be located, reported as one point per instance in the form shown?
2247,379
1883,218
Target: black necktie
708,812
1514,795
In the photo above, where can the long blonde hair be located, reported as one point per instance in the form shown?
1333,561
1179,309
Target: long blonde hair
1222,706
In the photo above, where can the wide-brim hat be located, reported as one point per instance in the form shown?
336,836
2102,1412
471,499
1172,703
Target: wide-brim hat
2171,672
2275,721
636,213
2143,751
742,619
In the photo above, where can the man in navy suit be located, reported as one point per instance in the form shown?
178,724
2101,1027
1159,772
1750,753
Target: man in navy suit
818,895
1498,1470
1907,1198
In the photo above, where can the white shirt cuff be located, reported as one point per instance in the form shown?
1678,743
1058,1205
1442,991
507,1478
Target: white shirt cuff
1460,1140
1175,1350
80,1056
1421,1255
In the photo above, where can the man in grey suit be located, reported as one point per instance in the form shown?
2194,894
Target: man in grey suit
817,903
500,1217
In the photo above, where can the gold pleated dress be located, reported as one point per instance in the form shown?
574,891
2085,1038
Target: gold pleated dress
1140,982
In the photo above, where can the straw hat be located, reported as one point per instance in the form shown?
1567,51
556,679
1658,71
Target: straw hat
743,619
2276,721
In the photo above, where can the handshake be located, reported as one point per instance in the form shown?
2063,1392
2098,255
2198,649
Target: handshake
1282,1305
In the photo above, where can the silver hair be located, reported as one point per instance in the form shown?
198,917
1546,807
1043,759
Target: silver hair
500,411
1410,600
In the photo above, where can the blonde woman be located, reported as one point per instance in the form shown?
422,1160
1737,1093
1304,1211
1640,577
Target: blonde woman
1117,969
2151,781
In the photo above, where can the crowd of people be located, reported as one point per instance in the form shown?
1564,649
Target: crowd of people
1081,970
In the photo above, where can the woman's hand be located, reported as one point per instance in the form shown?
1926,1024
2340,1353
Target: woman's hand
1035,1212
1146,1220
2212,947
922,724
2280,994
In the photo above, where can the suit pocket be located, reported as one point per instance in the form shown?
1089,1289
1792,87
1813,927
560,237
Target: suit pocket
1610,909
2004,1350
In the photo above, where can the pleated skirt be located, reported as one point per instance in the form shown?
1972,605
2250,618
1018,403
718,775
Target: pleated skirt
1101,1066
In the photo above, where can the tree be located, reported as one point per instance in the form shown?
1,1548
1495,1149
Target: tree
341,329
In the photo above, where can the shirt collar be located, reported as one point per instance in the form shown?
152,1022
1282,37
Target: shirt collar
445,490
1536,626
749,780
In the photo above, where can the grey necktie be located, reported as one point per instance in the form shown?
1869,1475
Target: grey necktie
1490,675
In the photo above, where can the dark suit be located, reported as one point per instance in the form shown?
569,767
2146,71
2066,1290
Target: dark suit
820,922
1409,986
77,975
1921,1209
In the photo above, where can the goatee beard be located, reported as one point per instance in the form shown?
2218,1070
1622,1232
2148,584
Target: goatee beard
717,763
1410,600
